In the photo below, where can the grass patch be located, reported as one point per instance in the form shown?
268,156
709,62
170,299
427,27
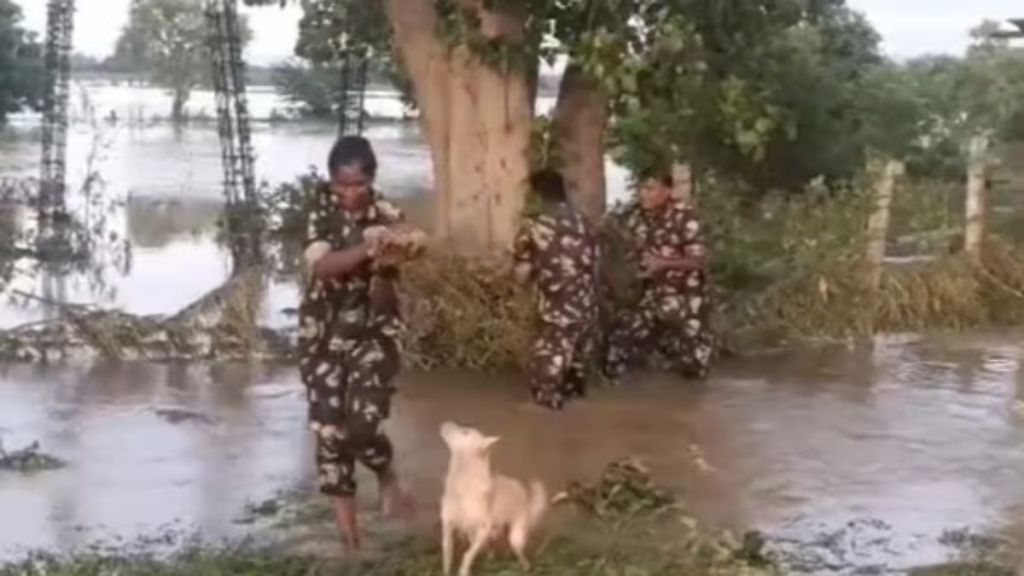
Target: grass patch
558,558
785,270
833,302
623,525
464,313
470,315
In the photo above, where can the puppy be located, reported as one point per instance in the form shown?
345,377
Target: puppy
480,505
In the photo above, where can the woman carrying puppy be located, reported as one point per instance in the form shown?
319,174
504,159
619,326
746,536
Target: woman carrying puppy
349,329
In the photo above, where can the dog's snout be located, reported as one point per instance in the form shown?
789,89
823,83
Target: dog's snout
447,428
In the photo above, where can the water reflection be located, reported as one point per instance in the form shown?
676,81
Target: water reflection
170,181
157,222
131,471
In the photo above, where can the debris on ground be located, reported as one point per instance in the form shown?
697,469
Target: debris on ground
179,415
254,511
624,489
28,459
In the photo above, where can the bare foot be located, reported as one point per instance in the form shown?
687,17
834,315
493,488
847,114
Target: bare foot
394,501
348,526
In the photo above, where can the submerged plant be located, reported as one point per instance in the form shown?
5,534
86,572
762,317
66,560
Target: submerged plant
28,459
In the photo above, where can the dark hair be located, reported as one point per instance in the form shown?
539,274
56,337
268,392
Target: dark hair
350,150
548,185
656,172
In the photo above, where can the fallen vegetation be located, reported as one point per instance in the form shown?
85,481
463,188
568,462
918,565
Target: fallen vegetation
975,555
28,459
220,325
786,271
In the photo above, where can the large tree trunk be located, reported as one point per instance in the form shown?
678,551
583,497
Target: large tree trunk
580,121
977,196
477,121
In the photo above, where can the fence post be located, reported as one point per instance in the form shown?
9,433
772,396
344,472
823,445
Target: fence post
977,196
883,184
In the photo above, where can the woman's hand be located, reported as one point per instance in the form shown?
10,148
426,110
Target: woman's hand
341,262
388,257
654,264
394,245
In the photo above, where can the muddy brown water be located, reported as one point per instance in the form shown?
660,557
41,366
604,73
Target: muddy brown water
881,449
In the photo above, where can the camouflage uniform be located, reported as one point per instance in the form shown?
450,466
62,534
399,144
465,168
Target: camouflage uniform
674,309
348,342
562,254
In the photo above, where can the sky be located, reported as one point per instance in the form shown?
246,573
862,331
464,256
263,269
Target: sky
909,27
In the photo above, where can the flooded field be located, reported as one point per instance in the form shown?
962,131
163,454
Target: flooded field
867,456
895,445
169,182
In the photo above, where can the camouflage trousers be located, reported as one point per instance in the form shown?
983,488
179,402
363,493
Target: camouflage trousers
349,382
674,326
558,368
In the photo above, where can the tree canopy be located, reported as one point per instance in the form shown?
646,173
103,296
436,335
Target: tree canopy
316,89
928,108
168,41
774,93
773,90
21,63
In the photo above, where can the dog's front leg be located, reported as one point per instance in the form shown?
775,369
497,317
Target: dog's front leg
479,540
447,546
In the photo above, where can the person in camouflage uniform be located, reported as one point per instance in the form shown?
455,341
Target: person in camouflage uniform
558,252
673,313
348,331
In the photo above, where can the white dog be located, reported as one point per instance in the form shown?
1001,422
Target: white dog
479,504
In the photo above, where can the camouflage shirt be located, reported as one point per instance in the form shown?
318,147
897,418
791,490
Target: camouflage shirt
562,253
349,304
673,232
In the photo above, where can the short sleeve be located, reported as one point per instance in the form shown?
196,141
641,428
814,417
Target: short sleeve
523,245
318,218
692,234
318,240
388,213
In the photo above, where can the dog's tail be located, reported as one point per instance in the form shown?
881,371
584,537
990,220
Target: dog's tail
538,501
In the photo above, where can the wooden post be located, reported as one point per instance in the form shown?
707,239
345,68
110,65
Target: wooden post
883,186
977,193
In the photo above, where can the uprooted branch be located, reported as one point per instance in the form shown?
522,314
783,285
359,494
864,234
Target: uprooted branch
222,324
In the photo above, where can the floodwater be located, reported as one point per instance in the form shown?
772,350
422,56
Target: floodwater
169,180
909,438
883,447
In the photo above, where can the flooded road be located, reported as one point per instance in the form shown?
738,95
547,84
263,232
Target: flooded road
911,439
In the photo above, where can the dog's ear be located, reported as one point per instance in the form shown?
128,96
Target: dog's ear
446,430
488,442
